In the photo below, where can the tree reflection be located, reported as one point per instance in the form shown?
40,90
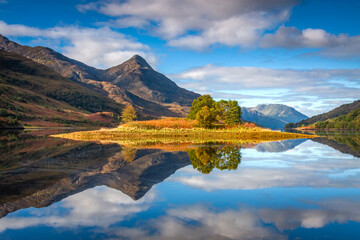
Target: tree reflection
204,159
128,153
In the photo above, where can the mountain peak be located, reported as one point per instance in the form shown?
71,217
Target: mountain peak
272,115
134,63
6,44
138,60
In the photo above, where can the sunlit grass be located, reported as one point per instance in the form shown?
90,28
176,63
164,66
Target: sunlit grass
172,130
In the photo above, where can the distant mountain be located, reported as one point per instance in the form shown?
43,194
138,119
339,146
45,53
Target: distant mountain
134,81
341,110
35,94
274,116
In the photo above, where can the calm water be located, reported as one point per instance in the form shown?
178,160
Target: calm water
295,189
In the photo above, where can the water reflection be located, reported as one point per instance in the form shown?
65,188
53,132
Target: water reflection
205,158
344,141
93,190
279,146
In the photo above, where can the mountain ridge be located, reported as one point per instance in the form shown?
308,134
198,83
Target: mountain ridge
274,116
134,76
336,112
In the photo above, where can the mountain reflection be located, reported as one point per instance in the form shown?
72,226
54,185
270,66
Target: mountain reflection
344,141
37,171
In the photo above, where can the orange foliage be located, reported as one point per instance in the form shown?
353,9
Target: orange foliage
176,123
248,125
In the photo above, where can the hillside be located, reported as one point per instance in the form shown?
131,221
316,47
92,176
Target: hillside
36,95
274,116
341,110
348,121
134,81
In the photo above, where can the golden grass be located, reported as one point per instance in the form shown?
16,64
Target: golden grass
174,123
179,131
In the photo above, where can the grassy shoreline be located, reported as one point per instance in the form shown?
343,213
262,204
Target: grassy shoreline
182,135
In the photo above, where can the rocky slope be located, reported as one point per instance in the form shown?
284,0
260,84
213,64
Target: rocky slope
35,94
135,81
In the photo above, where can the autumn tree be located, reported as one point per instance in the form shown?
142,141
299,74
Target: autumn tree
199,103
205,117
206,111
128,114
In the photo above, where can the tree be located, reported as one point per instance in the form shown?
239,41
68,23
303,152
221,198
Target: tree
233,113
128,114
199,103
228,112
205,117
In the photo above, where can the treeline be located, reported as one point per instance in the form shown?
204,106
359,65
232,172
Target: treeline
348,121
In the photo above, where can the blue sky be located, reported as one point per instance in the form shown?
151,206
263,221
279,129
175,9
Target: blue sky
305,54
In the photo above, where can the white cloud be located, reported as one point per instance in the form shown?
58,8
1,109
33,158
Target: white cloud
200,24
244,30
297,86
101,47
332,45
230,22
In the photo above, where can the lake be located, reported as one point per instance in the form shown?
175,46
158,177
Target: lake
54,188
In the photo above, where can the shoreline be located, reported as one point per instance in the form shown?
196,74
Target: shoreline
196,135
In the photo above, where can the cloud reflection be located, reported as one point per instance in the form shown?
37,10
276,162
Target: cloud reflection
200,222
100,206
307,165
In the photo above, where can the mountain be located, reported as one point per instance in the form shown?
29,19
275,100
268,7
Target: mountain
37,95
134,81
341,110
348,121
273,116
137,77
